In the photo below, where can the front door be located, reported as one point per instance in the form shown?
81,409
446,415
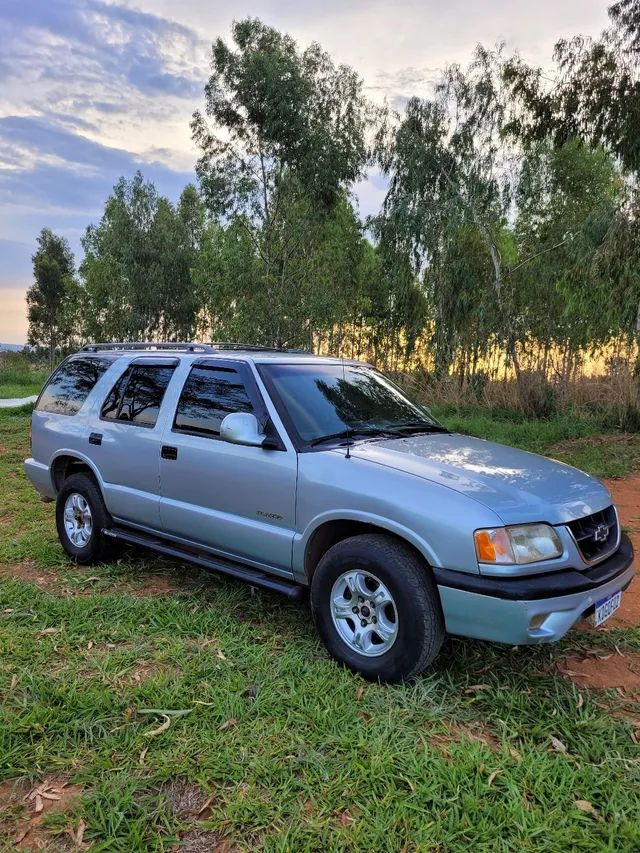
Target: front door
237,501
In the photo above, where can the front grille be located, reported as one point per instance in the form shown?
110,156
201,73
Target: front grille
596,535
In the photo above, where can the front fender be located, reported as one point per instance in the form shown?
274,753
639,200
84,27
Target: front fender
302,540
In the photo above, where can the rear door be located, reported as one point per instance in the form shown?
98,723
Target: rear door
126,440
237,501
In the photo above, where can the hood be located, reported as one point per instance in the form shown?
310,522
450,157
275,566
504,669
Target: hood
517,485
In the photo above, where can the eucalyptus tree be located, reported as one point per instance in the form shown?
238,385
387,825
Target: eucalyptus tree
567,203
137,265
452,172
283,136
593,94
52,299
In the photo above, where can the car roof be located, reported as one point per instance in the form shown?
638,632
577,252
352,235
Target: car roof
200,351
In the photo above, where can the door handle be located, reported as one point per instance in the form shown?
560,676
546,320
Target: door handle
169,452
95,438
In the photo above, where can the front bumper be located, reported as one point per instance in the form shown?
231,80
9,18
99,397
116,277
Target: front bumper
502,609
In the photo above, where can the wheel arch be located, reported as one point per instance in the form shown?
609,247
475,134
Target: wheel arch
68,462
330,531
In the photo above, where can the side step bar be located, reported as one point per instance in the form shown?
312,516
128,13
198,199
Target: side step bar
206,561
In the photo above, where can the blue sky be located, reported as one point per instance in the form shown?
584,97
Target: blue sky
93,90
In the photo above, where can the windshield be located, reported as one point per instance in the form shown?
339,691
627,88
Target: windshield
329,401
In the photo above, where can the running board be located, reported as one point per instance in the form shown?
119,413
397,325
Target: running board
206,561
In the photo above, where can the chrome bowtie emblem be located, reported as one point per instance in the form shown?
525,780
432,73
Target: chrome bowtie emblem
600,533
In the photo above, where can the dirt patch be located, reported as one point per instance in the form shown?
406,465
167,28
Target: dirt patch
187,799
23,807
202,840
45,579
456,733
604,670
190,804
154,585
626,496
142,671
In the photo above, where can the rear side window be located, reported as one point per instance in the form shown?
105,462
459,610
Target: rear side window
70,385
208,396
137,396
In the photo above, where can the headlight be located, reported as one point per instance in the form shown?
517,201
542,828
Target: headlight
522,543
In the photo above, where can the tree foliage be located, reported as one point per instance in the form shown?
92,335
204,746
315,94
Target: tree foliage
283,138
595,93
508,237
137,265
52,299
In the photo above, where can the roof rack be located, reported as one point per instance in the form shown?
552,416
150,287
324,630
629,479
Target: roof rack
149,345
186,347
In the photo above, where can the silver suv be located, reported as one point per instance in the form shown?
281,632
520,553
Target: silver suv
289,470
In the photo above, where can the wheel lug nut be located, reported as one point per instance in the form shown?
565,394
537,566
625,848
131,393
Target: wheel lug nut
363,622
354,609
374,620
360,599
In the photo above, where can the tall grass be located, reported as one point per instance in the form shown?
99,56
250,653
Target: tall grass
20,375
612,402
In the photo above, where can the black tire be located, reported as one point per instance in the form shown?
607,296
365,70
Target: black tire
97,548
420,624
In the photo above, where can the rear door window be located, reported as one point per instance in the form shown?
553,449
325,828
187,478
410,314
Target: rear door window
137,396
208,396
70,385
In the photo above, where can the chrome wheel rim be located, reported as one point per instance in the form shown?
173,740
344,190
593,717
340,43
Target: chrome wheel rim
364,613
78,521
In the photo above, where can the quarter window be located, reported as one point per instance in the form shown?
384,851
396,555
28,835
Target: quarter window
70,385
208,396
137,396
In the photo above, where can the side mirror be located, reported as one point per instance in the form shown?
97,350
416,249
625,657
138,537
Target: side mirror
242,428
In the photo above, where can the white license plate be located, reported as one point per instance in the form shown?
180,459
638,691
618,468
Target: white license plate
606,607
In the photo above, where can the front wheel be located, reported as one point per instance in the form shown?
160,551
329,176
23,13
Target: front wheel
376,607
80,518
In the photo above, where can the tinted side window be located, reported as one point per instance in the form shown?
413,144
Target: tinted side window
137,395
70,385
112,403
208,396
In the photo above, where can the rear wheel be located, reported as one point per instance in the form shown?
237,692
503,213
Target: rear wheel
80,518
376,606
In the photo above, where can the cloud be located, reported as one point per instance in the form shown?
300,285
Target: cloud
149,52
89,91
67,170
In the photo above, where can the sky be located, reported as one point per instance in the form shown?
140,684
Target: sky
93,90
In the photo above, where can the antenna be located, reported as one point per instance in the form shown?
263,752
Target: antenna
349,438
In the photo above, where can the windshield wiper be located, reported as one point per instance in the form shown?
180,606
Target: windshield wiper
418,426
356,432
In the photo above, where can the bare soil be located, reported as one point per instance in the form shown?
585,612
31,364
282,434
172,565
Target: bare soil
606,670
23,807
455,733
626,496
45,579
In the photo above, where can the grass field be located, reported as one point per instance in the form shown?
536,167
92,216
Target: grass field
21,381
167,707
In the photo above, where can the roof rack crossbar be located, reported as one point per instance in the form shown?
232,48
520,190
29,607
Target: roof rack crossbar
234,345
148,345
215,346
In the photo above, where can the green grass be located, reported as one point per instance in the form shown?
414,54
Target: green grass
9,390
291,752
21,381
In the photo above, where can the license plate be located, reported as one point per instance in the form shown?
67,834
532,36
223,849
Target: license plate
606,607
